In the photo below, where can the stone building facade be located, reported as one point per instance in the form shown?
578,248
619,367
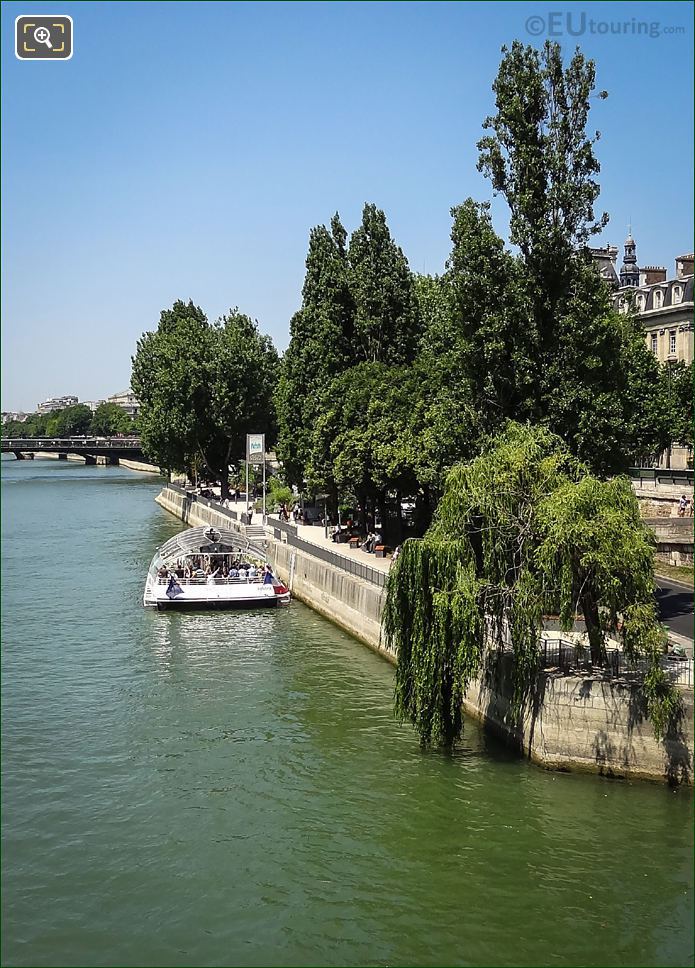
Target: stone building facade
663,306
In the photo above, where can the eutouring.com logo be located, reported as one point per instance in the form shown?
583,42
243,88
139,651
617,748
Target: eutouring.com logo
577,23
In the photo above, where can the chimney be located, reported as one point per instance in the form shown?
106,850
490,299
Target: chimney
684,265
653,274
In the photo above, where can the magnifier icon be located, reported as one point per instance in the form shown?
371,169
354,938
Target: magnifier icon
42,35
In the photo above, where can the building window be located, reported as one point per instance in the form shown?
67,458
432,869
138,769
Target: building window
658,298
655,344
676,294
640,303
672,342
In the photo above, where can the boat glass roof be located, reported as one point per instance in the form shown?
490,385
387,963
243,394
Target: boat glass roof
207,541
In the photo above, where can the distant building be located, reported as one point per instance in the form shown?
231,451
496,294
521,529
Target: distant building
128,401
663,306
8,415
604,260
56,403
92,404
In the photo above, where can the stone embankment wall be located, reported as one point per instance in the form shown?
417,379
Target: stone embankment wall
587,723
571,723
348,601
658,504
674,539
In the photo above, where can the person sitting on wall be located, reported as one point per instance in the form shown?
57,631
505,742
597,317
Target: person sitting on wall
682,506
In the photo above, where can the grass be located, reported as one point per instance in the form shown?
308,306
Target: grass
684,573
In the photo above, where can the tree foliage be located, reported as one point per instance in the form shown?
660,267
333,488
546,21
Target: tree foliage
320,347
523,531
539,339
109,418
202,388
358,307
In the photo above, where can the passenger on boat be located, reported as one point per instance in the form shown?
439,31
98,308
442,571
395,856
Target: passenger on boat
267,575
252,571
234,571
173,588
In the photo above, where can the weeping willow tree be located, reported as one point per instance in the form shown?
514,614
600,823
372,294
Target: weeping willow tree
522,532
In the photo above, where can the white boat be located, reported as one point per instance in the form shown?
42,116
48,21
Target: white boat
212,568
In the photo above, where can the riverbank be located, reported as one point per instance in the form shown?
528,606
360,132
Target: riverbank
591,723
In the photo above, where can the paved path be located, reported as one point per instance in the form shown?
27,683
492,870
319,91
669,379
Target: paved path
316,535
675,606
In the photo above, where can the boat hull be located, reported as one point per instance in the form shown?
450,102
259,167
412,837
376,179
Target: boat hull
218,604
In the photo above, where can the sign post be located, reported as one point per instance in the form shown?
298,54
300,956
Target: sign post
255,454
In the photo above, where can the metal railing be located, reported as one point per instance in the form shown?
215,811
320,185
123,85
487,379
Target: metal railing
572,657
663,475
366,572
70,443
283,526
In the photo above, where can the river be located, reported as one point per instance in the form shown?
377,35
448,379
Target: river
232,788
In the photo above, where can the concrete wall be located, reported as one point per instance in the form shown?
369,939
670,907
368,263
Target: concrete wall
571,723
191,512
674,539
587,723
353,604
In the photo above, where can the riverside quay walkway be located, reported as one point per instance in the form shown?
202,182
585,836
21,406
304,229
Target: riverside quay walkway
111,448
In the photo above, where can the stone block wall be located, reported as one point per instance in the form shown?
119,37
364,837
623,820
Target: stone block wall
587,723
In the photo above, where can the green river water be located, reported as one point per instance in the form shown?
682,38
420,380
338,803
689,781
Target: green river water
232,788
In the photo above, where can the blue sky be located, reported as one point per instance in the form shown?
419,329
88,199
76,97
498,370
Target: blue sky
187,149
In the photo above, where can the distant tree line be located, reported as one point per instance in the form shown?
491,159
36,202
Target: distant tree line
108,419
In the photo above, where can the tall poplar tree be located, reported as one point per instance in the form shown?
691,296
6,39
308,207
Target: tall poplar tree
320,347
541,340
386,321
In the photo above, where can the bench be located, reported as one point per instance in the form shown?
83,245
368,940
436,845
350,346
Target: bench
355,542
382,551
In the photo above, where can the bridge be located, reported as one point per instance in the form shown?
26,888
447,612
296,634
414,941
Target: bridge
111,448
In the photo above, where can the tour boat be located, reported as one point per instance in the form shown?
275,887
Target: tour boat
211,568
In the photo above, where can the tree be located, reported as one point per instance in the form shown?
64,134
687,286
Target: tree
321,336
202,388
365,440
171,378
494,337
109,418
539,338
386,321
542,160
243,376
677,379
522,531
70,422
